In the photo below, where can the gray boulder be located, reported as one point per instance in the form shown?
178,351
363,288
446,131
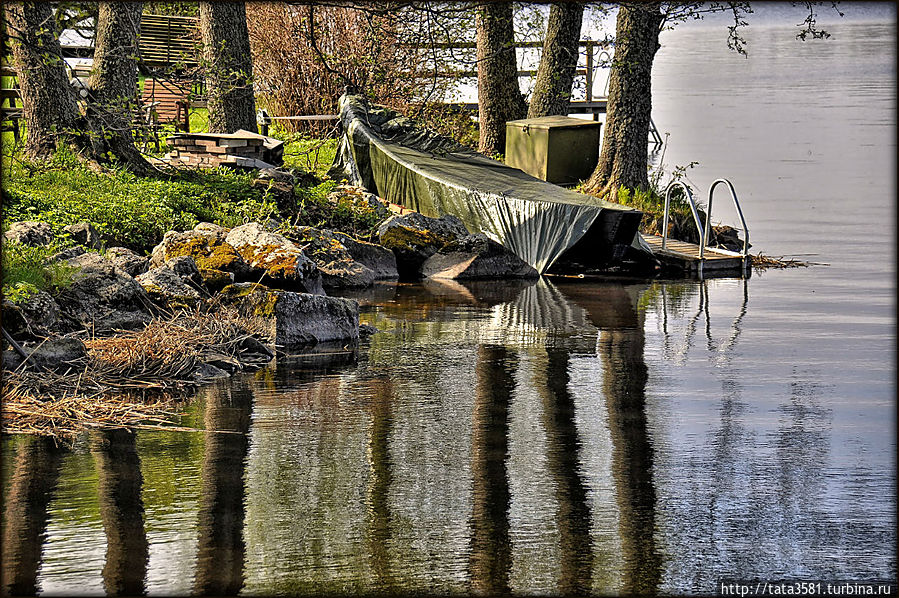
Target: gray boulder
186,268
213,230
165,285
225,363
281,175
476,256
35,316
345,275
206,373
413,238
205,243
128,261
218,262
66,254
252,352
344,262
380,260
41,311
84,234
360,198
726,237
448,227
57,354
29,233
283,263
296,318
103,297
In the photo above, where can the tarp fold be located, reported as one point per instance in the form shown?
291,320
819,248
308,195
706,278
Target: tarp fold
416,168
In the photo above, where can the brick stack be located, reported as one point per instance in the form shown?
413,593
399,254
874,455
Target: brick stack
240,149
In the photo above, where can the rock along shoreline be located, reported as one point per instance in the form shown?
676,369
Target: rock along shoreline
205,304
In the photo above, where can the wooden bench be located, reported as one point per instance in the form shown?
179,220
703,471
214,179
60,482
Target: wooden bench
166,102
163,102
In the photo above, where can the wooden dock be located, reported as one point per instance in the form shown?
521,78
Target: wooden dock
686,256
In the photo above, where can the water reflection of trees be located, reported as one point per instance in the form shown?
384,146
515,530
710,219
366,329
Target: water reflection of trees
624,387
122,511
491,551
381,478
564,456
459,468
221,548
33,484
613,310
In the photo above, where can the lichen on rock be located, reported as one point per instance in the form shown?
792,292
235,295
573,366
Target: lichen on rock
344,262
282,262
167,286
413,238
296,318
206,245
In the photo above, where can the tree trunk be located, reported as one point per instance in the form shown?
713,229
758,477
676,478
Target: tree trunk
113,84
623,159
555,75
228,65
499,98
48,99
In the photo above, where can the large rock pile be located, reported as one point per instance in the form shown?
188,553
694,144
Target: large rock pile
271,271
344,262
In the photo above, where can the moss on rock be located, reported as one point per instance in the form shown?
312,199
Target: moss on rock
409,239
254,298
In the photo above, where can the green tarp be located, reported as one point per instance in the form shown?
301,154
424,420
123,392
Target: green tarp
413,167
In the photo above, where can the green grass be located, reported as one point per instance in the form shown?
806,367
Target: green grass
652,204
26,271
128,210
135,212
310,155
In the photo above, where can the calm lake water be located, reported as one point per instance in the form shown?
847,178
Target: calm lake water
548,438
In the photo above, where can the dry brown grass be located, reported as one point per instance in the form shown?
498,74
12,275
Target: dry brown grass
134,379
763,262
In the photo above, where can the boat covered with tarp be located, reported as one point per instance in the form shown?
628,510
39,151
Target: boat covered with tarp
408,165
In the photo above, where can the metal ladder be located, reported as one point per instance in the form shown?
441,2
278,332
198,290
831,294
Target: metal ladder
704,238
653,130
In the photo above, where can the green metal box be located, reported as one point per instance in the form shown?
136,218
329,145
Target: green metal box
558,149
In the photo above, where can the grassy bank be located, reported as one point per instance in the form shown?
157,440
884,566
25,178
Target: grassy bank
128,210
135,212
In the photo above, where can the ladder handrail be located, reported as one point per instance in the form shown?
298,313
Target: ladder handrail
699,227
708,217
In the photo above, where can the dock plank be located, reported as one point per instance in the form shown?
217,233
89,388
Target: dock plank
686,255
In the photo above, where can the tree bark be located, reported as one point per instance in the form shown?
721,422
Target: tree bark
623,159
228,66
48,100
555,75
113,84
499,98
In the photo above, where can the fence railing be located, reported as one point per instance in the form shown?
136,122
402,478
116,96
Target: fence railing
592,50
